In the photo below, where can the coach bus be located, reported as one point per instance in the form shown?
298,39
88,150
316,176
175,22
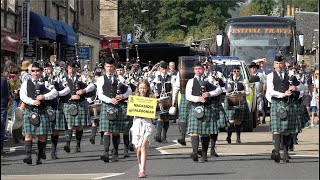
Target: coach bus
257,37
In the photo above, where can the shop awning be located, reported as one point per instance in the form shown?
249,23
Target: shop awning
71,37
41,26
58,27
10,42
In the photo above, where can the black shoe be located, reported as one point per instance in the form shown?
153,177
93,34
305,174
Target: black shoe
27,160
158,139
115,157
43,156
131,148
194,156
2,151
200,152
54,156
67,148
204,156
38,161
213,152
104,158
92,140
273,154
238,140
182,141
277,157
77,149
164,140
264,121
228,140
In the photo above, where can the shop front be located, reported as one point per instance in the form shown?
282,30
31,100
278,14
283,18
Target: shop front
10,46
49,37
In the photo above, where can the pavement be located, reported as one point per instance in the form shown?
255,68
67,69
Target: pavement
257,142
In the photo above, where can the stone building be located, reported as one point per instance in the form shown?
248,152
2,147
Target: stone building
65,24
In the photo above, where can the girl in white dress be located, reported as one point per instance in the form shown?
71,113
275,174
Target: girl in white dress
142,130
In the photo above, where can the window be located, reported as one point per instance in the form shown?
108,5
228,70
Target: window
71,4
12,5
92,10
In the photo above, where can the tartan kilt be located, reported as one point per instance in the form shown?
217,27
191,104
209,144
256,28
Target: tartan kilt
128,123
44,127
60,122
183,109
209,124
117,126
303,117
81,119
237,114
223,117
289,125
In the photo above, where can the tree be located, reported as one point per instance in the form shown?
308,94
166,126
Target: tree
257,7
304,5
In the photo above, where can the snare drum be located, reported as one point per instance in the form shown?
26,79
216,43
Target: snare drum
163,104
95,109
235,100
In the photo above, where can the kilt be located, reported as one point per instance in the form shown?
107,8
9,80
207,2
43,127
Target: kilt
128,123
302,118
223,118
208,125
238,114
60,122
44,127
183,109
289,125
117,126
81,119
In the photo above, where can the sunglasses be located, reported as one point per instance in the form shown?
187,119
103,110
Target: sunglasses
236,71
35,70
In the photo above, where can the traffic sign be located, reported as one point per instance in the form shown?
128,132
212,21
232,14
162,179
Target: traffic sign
129,39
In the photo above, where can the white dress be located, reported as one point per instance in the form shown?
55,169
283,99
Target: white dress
141,128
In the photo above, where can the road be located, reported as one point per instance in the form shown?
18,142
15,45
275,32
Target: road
248,160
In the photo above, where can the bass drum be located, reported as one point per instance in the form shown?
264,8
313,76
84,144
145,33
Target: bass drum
185,66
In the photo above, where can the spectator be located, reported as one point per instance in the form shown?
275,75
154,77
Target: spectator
14,90
4,104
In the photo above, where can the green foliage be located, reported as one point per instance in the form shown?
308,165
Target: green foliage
176,20
257,7
304,5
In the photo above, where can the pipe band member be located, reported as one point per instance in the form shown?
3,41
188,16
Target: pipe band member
113,112
162,86
202,96
237,116
280,92
33,93
76,117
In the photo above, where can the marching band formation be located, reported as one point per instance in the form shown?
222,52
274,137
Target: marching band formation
64,98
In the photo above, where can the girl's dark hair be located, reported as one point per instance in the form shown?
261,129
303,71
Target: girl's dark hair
149,93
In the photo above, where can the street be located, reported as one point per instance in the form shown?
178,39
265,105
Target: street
248,160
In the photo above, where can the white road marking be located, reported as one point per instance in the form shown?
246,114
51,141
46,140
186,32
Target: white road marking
93,176
108,176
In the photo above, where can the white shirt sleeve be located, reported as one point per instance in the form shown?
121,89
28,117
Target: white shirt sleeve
23,94
101,96
189,95
270,88
51,95
216,92
90,87
246,88
127,93
64,91
176,88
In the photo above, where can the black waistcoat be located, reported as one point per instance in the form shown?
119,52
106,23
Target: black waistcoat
31,92
72,85
280,85
110,89
240,86
166,82
197,90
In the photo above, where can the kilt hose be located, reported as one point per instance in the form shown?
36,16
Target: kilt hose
183,109
223,117
81,119
119,125
287,125
209,124
60,123
237,114
128,123
44,127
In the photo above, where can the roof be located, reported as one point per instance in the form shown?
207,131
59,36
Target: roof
307,22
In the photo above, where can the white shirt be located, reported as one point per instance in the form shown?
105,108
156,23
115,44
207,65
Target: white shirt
28,100
245,84
193,98
104,98
270,88
156,80
90,87
176,87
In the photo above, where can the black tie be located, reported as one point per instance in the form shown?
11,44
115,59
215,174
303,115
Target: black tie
110,79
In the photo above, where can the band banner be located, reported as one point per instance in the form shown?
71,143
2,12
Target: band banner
142,107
